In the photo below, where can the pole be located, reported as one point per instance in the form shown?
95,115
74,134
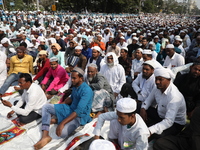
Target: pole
37,3
3,4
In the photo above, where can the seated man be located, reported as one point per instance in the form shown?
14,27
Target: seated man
173,59
127,129
96,57
103,94
189,85
114,72
136,63
169,116
20,63
29,107
188,138
71,114
59,75
82,59
142,85
3,68
43,66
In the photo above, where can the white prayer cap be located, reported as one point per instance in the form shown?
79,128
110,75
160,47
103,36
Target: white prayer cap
52,59
96,48
107,28
79,47
135,38
122,38
126,105
33,38
170,46
42,40
147,51
134,34
1,29
138,31
164,72
99,35
79,35
150,62
57,34
161,33
124,48
149,34
4,40
140,49
101,144
178,39
156,37
182,31
151,43
177,36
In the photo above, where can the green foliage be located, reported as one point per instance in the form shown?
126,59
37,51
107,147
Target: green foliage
105,6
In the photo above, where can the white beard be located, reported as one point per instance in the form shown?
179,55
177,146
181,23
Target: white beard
89,79
110,65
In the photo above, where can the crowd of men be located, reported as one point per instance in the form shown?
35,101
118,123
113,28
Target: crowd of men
140,72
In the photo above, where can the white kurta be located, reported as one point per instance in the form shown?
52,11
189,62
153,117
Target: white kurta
171,108
135,137
143,85
34,97
3,68
115,76
135,65
176,61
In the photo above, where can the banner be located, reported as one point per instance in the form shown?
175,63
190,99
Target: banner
1,2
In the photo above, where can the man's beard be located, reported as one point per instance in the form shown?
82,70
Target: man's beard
90,79
110,64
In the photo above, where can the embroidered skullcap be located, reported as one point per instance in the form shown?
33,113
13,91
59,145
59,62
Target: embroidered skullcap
79,70
147,51
52,59
126,105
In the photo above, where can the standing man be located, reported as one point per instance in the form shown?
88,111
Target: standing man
20,63
29,107
71,114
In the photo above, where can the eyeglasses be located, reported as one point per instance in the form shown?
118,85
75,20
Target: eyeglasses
40,55
109,58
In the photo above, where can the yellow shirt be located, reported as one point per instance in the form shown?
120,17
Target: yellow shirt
24,65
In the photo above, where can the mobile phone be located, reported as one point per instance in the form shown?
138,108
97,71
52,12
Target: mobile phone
1,99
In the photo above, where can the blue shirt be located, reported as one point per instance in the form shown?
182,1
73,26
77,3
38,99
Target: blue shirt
87,53
81,104
157,47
